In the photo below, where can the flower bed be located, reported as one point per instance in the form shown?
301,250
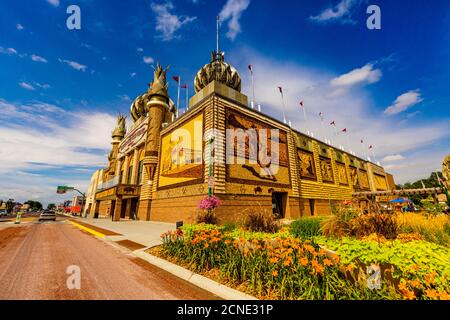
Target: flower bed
279,266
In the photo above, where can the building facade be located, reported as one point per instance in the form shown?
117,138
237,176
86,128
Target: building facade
164,165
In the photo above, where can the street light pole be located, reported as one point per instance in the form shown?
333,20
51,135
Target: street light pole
211,141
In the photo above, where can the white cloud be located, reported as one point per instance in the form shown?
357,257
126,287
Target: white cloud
19,26
133,74
42,85
8,51
395,157
363,75
26,86
148,60
341,13
167,24
37,58
39,136
73,64
140,50
54,3
232,11
355,111
404,102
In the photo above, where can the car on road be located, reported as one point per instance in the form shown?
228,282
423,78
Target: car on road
47,215
3,213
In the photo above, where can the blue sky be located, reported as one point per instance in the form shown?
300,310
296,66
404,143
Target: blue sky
60,89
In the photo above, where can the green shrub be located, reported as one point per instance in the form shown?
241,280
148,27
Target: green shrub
229,227
306,228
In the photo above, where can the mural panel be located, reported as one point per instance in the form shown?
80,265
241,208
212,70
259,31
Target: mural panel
181,160
327,170
354,176
364,179
343,179
254,154
307,166
380,182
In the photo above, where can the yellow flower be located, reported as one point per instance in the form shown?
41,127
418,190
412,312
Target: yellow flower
206,245
303,261
275,273
273,260
431,293
409,295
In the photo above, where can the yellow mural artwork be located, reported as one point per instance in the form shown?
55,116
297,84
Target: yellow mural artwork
364,179
307,167
354,176
343,179
326,170
256,152
380,182
182,155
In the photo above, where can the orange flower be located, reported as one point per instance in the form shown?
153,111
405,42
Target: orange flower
327,262
348,268
275,273
206,245
227,242
287,262
310,248
444,295
409,295
322,252
414,283
431,293
273,260
303,261
317,266
402,287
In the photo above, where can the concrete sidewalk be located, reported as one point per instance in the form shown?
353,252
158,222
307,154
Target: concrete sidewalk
146,233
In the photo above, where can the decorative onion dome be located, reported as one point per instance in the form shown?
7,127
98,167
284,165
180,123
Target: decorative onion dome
217,70
157,91
137,109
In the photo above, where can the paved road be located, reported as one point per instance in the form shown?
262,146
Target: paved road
34,258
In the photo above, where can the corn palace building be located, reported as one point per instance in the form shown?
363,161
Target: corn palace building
161,167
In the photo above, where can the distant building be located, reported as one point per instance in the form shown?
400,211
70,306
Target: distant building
96,180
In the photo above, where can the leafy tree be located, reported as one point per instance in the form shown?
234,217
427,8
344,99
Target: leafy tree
9,206
51,206
431,182
34,205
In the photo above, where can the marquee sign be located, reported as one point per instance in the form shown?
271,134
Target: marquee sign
133,139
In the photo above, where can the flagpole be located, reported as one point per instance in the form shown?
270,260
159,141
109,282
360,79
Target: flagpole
217,36
178,101
364,150
253,89
187,97
284,106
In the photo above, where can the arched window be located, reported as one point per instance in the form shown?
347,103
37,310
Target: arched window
141,167
122,170
130,170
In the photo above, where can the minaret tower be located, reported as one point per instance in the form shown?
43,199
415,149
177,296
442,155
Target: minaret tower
117,136
159,109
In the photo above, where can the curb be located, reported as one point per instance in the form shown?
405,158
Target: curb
95,233
200,281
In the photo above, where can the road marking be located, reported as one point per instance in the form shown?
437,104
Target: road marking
95,233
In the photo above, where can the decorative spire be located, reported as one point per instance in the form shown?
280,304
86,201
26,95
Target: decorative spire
120,130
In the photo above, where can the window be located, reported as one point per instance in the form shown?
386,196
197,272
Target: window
140,171
130,174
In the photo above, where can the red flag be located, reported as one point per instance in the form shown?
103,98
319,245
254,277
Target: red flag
362,141
281,89
301,103
344,130
184,86
150,84
250,67
176,78
333,123
370,147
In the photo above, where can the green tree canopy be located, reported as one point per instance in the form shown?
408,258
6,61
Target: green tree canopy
51,206
34,205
